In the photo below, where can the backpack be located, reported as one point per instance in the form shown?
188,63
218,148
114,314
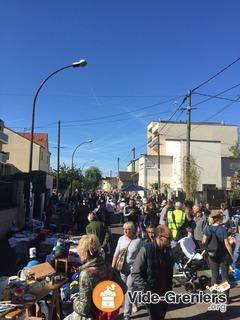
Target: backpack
214,246
99,314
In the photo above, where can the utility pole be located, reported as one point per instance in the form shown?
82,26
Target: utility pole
58,158
158,170
118,159
133,167
111,180
188,144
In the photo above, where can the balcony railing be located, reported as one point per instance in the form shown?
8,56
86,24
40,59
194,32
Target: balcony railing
149,140
155,143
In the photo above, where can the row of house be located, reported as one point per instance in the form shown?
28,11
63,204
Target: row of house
162,163
15,152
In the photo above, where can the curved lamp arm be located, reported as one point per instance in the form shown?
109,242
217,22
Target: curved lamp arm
88,141
86,163
81,63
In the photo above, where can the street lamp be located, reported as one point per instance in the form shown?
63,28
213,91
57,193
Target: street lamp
81,182
88,141
81,63
86,163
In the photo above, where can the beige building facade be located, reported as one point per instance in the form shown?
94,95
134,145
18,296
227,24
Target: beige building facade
18,150
226,134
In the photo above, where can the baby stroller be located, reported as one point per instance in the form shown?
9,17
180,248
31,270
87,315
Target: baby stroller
189,261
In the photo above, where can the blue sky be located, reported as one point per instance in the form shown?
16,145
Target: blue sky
143,57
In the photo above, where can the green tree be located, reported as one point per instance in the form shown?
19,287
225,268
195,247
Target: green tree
235,150
235,179
92,178
66,176
194,176
154,186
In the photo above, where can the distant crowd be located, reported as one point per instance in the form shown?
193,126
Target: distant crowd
152,228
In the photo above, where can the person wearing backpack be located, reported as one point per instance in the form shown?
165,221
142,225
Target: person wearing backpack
218,248
93,271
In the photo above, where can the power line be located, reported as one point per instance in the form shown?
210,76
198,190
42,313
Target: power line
211,96
217,74
224,108
178,109
110,121
205,122
125,113
237,85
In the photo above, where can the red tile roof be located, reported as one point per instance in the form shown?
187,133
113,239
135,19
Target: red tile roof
38,138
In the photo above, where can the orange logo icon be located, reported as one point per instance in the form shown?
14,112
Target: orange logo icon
108,296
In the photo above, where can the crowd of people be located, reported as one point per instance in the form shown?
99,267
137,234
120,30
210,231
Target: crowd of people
151,227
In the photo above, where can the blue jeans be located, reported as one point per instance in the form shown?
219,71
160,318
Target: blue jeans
236,252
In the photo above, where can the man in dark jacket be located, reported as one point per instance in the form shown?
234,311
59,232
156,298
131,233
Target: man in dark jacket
132,212
81,217
99,229
153,270
152,216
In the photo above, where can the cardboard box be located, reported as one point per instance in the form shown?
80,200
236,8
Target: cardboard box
41,270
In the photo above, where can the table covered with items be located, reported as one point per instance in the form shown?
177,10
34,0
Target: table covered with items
27,290
22,296
46,245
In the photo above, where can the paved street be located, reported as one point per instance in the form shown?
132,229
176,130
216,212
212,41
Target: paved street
185,311
177,311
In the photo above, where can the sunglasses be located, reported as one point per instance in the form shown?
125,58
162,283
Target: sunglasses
126,229
166,237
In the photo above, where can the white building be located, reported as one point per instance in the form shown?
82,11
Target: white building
167,143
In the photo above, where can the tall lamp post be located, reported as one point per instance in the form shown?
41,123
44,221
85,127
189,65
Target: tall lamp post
81,184
81,63
88,141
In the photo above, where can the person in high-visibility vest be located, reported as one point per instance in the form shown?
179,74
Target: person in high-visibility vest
175,220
